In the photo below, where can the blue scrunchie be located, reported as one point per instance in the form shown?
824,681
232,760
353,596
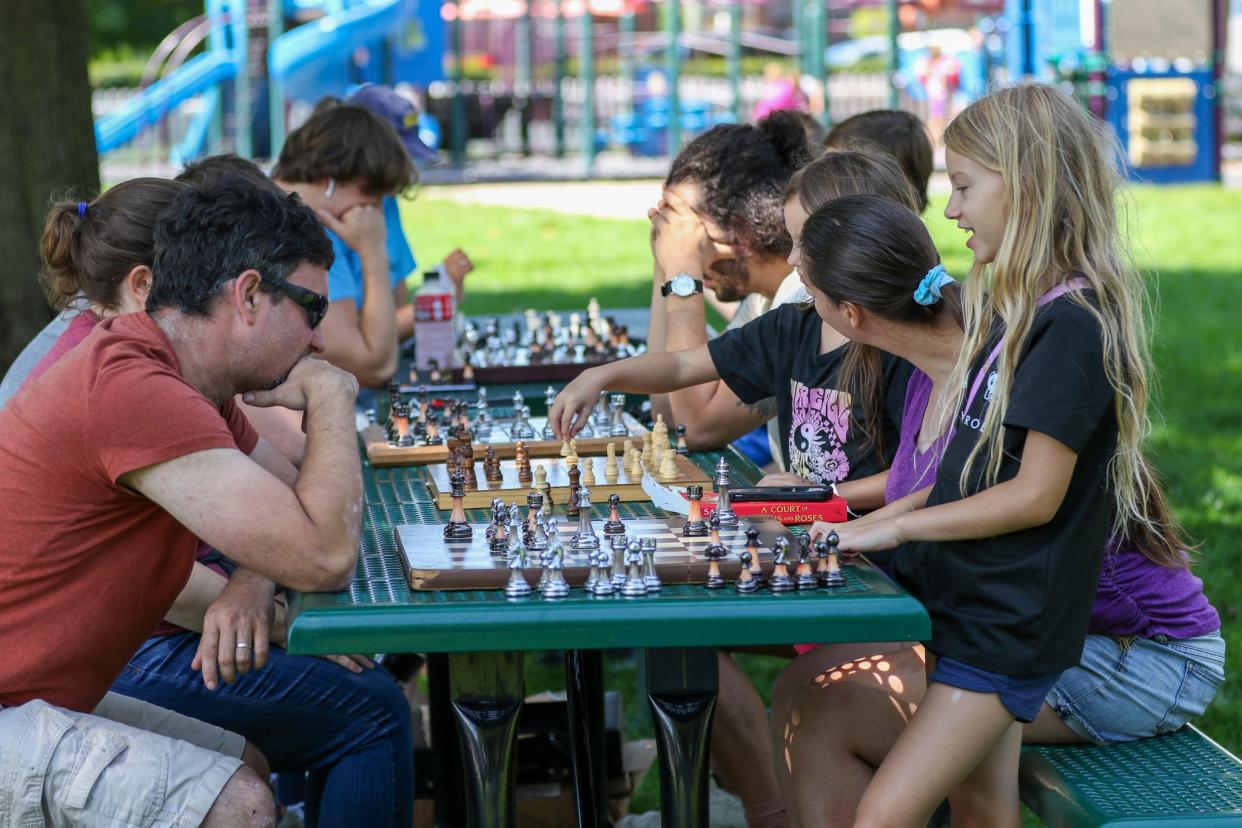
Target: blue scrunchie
82,209
928,291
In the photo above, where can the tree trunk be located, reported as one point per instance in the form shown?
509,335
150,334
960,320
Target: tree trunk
47,147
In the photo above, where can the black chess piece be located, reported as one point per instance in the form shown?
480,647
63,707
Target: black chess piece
695,526
614,526
752,546
571,506
457,528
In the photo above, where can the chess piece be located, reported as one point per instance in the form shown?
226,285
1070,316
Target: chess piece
549,400
565,452
714,553
681,441
573,448
600,414
534,517
491,466
647,448
611,472
499,529
432,432
780,581
626,448
650,577
522,429
634,585
542,486
603,578
571,505
588,475
803,577
518,587
619,544
669,473
635,469
465,454
614,526
695,527
745,579
521,461
457,528
723,481
835,578
519,402
585,538
556,586
752,546
617,427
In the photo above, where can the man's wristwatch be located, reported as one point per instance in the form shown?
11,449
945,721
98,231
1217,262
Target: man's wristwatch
683,284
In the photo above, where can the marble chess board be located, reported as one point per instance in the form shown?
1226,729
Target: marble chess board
434,563
382,453
509,488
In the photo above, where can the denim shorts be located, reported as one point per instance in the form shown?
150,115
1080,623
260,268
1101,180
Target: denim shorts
1131,688
1021,695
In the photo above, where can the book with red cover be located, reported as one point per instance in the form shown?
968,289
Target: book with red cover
788,512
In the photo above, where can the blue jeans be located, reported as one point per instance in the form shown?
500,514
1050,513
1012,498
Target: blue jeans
351,733
1134,688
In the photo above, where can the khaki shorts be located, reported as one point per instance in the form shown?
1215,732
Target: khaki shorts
141,766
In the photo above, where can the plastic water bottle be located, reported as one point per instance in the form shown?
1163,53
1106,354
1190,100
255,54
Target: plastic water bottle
434,308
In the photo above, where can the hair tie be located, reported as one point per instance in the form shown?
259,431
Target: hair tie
82,209
928,291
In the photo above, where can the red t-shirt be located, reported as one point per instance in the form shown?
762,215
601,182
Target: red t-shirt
88,567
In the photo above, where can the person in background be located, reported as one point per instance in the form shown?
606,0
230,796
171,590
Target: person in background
896,132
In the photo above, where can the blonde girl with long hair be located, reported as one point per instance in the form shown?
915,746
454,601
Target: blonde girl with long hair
1043,457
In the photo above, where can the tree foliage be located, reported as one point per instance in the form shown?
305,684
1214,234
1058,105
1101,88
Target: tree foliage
135,25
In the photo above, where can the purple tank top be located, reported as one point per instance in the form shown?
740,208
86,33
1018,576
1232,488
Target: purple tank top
1135,596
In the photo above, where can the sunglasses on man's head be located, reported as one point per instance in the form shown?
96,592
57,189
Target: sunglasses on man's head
315,304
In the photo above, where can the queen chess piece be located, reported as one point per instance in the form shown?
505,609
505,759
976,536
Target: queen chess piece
723,481
584,539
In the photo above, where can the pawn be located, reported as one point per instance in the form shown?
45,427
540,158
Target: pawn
565,451
555,586
714,578
647,447
491,466
836,578
588,474
611,472
614,526
752,546
745,578
634,585
681,440
803,577
518,586
780,581
635,469
669,473
603,582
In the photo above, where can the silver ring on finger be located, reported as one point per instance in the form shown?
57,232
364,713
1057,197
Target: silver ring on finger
241,645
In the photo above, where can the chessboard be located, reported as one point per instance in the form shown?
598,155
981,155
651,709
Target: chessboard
509,488
434,563
381,451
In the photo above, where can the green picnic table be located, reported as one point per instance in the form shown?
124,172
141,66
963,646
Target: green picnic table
475,641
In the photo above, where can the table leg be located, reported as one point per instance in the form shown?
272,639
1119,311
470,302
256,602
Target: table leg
584,684
487,692
681,690
450,805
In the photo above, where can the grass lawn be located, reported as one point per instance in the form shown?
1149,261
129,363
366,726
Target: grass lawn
546,260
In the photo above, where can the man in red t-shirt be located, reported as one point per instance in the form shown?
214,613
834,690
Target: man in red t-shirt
127,451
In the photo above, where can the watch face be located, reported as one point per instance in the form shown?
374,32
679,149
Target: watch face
682,285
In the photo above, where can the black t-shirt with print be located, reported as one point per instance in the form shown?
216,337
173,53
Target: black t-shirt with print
1019,603
777,355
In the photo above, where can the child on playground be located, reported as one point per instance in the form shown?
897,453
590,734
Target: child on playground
1154,656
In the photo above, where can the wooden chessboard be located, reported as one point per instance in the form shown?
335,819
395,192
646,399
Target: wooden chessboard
510,488
381,453
434,563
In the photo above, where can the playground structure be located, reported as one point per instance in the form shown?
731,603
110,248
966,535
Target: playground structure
264,63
